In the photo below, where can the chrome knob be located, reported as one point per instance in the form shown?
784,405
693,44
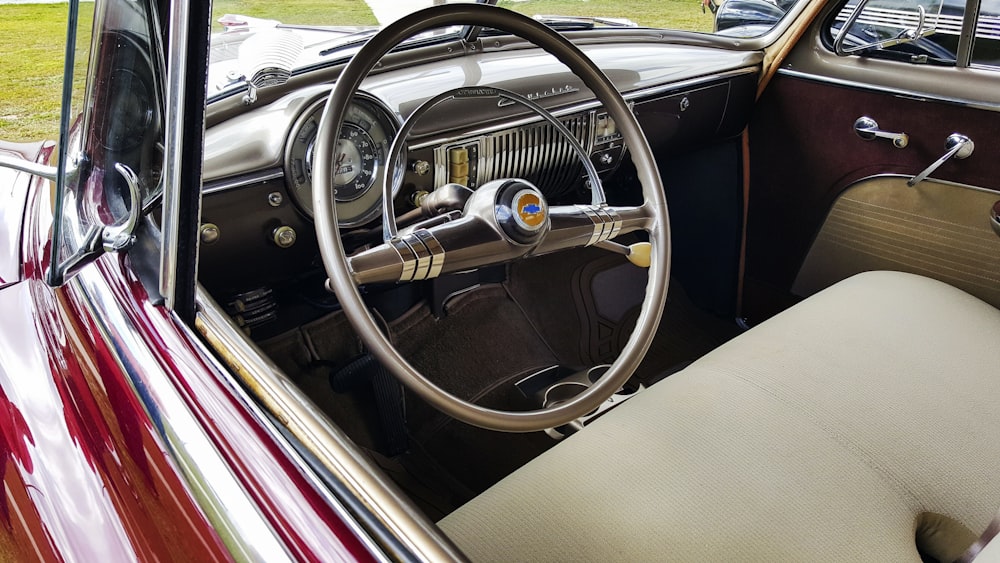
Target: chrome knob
421,167
284,236
210,233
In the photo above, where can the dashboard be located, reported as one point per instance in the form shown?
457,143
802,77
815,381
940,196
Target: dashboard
257,233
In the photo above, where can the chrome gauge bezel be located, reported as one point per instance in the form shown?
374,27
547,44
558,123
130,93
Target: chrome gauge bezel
380,125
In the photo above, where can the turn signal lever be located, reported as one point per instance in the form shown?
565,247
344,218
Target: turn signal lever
637,253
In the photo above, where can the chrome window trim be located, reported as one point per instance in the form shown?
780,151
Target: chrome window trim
218,492
254,408
173,117
417,536
924,96
243,181
645,94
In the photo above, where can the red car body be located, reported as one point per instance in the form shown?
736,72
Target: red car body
128,433
84,407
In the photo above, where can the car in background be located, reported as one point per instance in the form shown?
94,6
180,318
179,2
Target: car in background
295,284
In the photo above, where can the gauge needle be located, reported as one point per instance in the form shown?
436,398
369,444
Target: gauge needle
340,160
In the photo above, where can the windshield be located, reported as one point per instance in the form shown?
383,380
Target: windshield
249,37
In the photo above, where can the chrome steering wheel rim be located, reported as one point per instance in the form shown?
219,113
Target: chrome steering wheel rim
335,260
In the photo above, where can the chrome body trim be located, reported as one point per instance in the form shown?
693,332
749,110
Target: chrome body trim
385,505
252,406
972,104
254,178
173,165
220,494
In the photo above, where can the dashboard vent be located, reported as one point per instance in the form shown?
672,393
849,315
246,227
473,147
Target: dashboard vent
535,152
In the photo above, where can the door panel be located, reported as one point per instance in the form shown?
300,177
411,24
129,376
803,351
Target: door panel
804,153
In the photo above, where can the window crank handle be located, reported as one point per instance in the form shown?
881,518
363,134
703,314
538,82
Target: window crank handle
867,129
957,145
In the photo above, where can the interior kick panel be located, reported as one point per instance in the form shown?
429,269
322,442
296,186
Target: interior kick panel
932,229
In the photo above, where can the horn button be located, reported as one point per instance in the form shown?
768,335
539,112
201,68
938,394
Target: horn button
521,212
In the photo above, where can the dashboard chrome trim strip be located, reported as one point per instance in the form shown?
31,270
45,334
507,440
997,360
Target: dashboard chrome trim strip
243,181
889,90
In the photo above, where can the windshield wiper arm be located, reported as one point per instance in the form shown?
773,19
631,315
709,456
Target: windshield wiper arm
586,22
356,38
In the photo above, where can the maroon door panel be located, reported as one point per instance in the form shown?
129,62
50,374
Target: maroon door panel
804,152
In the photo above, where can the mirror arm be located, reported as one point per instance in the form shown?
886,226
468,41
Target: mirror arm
115,238
41,170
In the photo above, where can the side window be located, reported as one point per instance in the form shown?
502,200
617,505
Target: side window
917,31
986,48
111,155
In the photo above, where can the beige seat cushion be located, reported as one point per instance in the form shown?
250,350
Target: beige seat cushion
840,430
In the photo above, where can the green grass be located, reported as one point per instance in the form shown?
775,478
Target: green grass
32,40
670,14
310,12
32,37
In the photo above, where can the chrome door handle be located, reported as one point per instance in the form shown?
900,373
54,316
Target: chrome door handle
957,145
867,129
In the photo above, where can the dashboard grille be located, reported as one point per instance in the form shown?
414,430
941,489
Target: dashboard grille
535,152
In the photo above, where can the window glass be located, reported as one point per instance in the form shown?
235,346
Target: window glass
986,48
111,130
243,31
916,31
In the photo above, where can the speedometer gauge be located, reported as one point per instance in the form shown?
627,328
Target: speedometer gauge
362,146
357,156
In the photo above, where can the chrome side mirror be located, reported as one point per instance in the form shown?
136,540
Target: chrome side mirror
33,168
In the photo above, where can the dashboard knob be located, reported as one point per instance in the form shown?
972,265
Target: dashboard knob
421,167
284,236
210,233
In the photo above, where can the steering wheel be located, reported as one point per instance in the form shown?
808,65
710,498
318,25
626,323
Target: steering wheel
503,220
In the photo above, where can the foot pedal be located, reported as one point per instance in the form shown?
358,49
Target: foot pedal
389,398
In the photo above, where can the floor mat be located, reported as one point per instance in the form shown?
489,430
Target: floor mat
573,308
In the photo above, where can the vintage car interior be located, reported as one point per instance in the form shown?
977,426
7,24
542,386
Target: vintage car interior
849,450
533,292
